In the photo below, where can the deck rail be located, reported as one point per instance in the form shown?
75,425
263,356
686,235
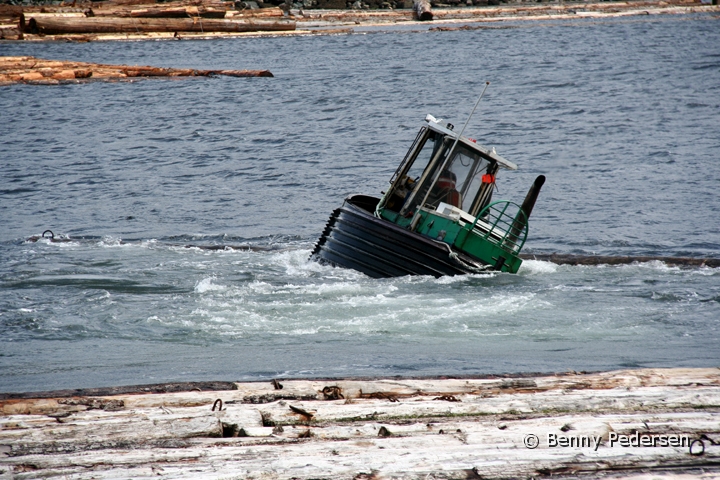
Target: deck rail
503,223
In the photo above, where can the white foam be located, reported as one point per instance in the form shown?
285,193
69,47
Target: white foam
207,285
108,241
448,280
535,267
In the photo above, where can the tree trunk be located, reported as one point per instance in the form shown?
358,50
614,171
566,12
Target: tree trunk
60,26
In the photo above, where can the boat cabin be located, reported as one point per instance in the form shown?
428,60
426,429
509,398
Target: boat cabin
444,184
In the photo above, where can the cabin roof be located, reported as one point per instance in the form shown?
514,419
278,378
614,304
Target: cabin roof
488,153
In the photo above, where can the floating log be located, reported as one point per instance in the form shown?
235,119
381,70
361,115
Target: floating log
423,11
562,259
63,26
161,12
410,428
36,70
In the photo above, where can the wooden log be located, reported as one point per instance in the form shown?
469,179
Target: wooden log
160,12
422,9
10,10
179,12
259,13
63,26
35,70
422,435
562,259
9,32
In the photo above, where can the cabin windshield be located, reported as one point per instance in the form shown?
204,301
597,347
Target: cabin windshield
458,184
460,181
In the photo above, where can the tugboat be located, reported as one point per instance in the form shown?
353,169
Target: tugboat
436,218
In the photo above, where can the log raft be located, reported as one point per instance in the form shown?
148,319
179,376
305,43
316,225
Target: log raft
632,422
50,72
310,21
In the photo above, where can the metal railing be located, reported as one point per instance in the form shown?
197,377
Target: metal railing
503,223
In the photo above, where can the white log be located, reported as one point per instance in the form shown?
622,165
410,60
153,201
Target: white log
405,431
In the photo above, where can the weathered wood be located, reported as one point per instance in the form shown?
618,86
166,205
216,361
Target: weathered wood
423,10
427,433
126,389
63,26
563,259
35,70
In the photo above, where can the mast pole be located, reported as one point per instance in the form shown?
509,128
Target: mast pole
415,219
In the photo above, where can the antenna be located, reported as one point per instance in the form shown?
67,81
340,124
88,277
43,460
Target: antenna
415,219
457,139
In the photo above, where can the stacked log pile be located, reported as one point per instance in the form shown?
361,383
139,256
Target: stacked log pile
636,422
136,19
50,72
131,17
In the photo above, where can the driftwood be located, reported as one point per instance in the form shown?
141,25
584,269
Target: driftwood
436,428
620,260
35,70
74,25
422,10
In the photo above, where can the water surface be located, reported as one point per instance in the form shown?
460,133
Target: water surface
621,115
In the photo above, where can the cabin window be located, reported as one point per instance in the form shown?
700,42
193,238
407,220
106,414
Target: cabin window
460,181
466,169
414,172
428,151
430,157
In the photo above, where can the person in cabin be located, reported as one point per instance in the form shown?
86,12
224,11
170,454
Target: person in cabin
444,190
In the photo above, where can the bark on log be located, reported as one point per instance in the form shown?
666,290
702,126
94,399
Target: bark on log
63,26
422,10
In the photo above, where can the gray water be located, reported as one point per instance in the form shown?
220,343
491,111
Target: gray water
621,115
